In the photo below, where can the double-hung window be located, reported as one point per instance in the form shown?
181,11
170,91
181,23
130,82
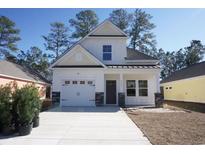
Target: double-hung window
143,88
107,52
131,88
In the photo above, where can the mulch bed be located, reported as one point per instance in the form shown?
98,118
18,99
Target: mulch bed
171,128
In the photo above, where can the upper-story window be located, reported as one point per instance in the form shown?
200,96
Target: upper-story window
107,52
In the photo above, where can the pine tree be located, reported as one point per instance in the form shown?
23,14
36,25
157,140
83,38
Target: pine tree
83,23
57,40
142,39
9,36
121,18
35,59
194,53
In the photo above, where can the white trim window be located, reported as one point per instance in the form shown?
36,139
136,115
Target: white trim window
107,52
131,88
143,87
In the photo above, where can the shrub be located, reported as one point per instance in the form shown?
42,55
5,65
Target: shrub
5,106
25,102
37,106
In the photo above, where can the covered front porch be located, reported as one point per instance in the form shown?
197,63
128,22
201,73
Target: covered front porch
130,88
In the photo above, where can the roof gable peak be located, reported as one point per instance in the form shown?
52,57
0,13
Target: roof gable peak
106,28
76,49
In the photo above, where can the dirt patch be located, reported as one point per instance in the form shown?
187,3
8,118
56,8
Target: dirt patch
193,106
171,127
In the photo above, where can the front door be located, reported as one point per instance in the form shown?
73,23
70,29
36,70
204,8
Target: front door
111,92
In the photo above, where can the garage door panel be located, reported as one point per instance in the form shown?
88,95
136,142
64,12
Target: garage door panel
78,94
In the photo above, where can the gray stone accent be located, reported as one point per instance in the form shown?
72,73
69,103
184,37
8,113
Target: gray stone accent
159,99
55,97
121,99
99,98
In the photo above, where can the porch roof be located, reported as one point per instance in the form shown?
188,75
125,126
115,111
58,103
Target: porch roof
134,66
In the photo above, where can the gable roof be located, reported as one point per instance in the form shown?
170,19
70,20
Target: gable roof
136,55
11,69
189,72
89,54
78,42
107,21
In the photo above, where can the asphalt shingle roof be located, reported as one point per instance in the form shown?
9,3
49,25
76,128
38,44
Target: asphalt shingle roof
17,71
136,55
191,71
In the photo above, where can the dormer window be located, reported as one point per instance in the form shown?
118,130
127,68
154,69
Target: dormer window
107,52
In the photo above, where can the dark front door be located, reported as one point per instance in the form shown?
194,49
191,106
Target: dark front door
110,92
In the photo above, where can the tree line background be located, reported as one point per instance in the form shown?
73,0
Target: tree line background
137,25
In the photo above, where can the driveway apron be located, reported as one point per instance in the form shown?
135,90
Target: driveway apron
82,125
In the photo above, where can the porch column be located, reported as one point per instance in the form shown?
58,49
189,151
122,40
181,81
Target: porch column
121,94
99,91
158,83
121,82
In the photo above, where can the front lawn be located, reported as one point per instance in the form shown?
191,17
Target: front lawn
170,127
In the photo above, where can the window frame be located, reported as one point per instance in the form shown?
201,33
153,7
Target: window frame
82,82
130,88
67,82
143,88
90,82
107,51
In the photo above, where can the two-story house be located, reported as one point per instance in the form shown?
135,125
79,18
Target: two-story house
100,69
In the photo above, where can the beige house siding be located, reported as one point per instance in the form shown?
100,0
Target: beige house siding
188,90
21,82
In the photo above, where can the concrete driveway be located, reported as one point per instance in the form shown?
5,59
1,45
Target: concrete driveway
82,125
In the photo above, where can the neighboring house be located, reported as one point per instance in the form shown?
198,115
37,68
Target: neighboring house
100,69
186,85
10,71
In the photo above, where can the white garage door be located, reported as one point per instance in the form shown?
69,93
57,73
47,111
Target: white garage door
78,93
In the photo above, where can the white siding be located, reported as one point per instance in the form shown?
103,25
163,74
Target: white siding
78,58
150,76
59,75
101,75
141,100
95,46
